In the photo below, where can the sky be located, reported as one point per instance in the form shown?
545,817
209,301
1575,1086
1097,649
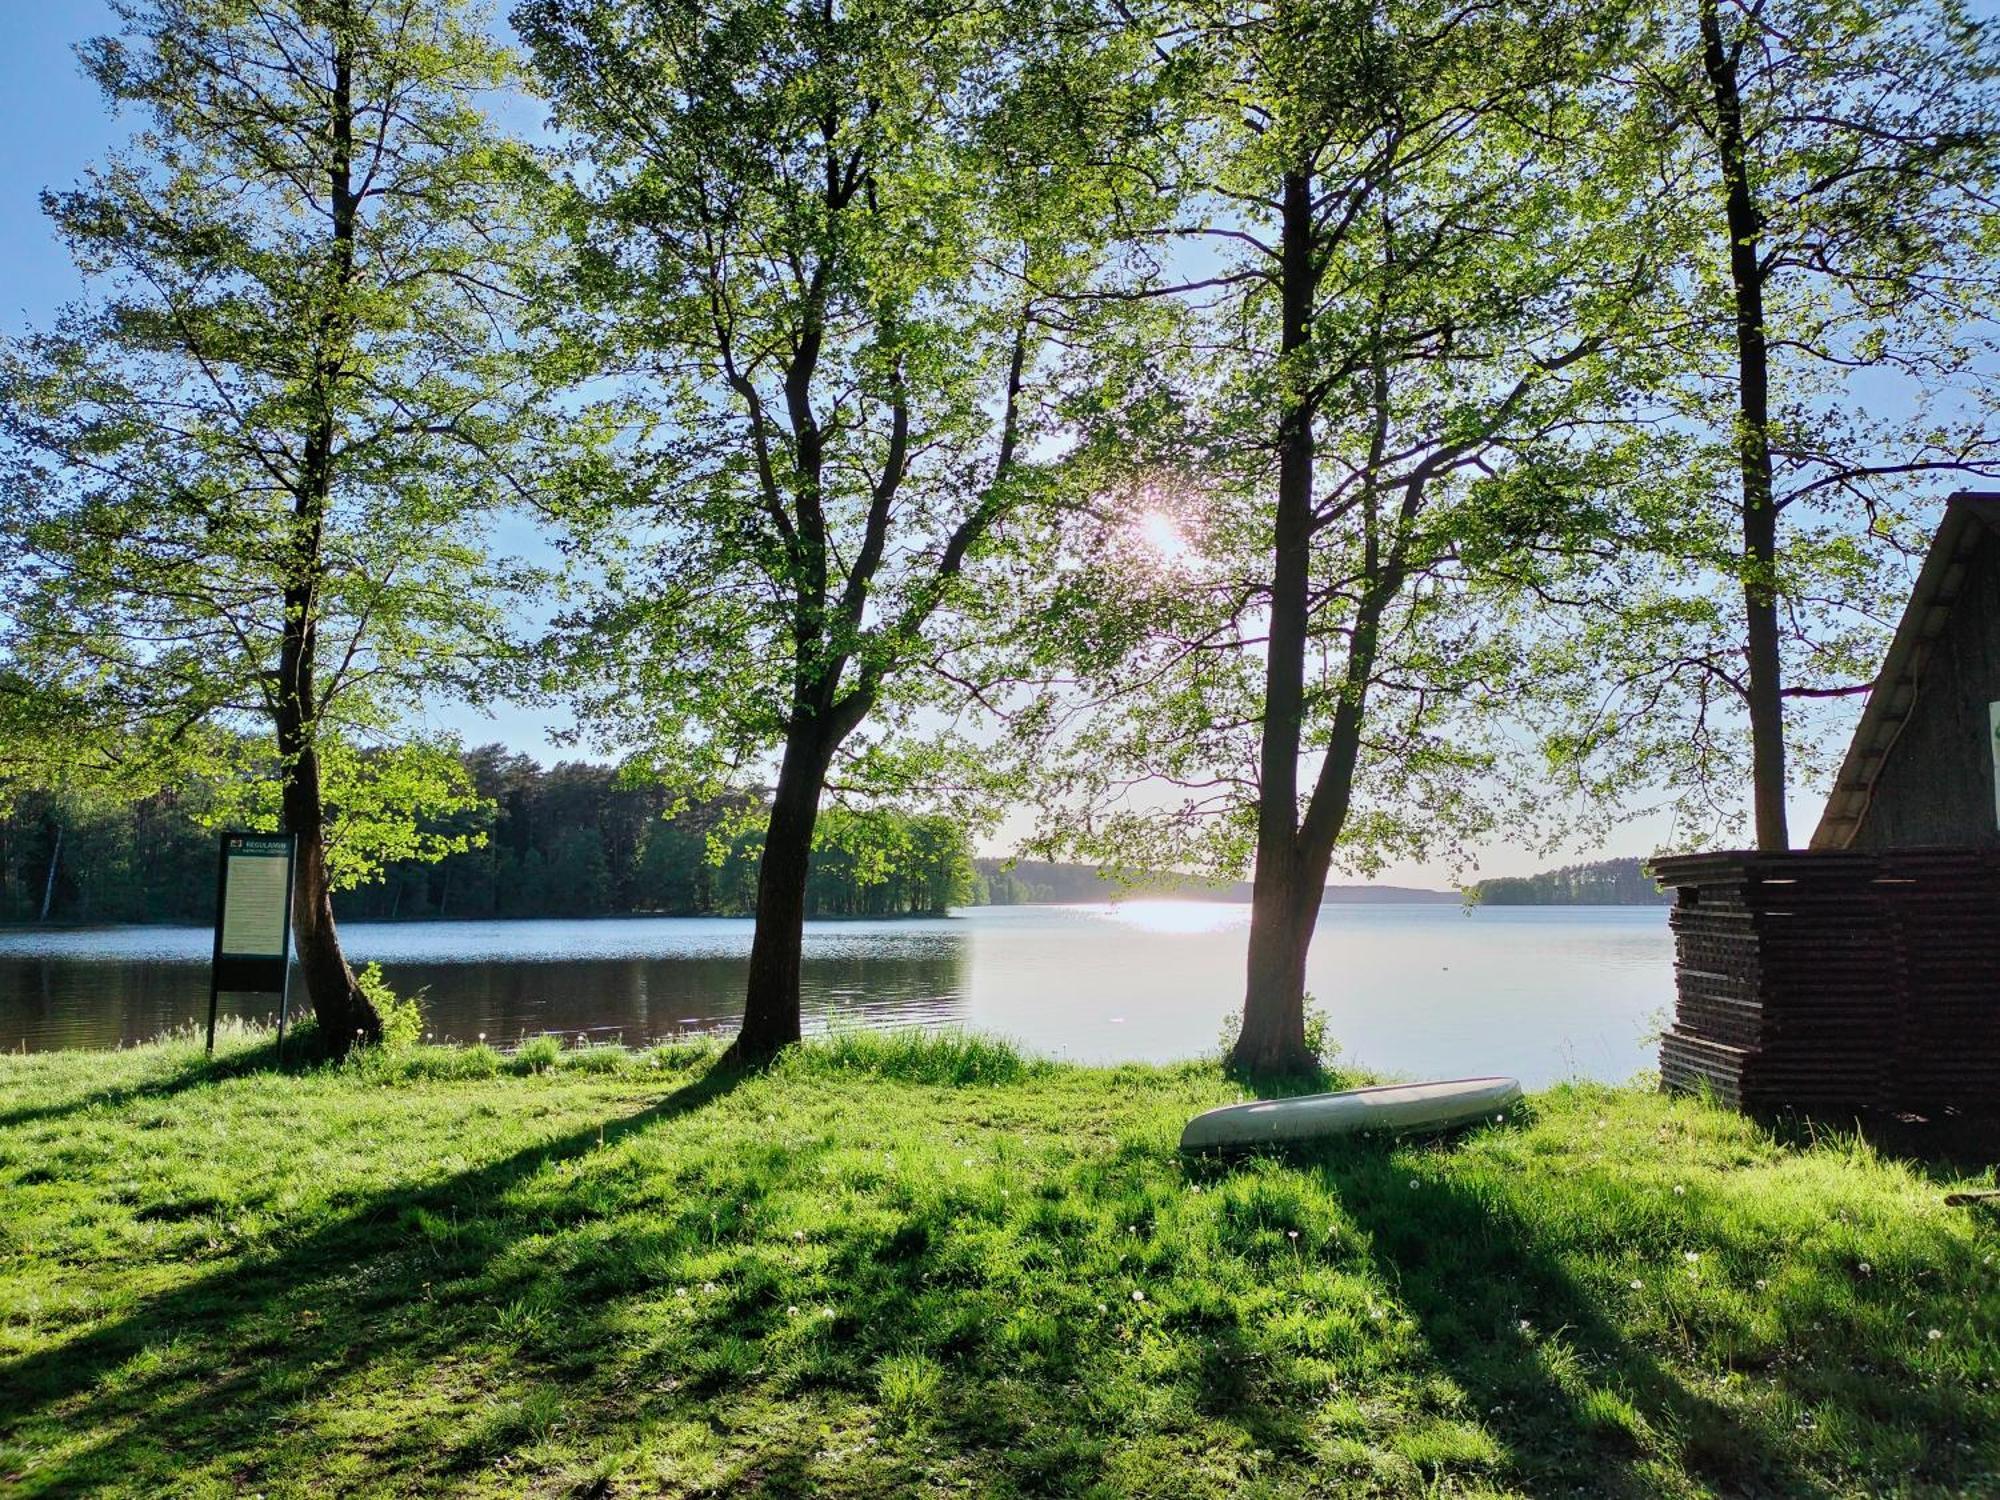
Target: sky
53,124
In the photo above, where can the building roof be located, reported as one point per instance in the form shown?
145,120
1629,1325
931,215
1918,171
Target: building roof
1968,517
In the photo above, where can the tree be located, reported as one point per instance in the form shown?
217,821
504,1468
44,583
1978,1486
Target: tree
1837,161
806,237
243,479
1419,259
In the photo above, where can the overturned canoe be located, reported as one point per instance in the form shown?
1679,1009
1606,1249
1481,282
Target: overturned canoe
1390,1109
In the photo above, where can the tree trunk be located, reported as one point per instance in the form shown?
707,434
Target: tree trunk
1273,1038
49,885
771,998
1284,908
1763,681
344,1014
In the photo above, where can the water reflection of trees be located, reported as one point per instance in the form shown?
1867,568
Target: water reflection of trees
70,1002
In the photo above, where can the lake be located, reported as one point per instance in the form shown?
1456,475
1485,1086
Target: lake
1545,993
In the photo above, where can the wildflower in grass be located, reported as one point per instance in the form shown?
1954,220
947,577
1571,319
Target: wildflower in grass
1865,1269
1691,1256
1679,1191
1413,1184
1291,1234
1762,1284
792,1311
1635,1284
1138,1296
1936,1334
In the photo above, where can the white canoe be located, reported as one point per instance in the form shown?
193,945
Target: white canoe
1391,1109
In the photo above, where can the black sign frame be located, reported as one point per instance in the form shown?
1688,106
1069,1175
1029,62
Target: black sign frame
239,973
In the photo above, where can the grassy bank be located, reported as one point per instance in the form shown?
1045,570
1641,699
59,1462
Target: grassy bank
891,1267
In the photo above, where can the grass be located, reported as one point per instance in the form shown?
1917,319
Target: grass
899,1265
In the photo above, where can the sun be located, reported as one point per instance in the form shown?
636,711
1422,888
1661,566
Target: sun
1160,534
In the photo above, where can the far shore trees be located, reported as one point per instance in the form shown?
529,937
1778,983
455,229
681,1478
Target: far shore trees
243,477
811,240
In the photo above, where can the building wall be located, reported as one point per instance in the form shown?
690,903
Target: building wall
1937,784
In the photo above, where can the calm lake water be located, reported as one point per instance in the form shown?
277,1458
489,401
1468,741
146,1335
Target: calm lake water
1541,992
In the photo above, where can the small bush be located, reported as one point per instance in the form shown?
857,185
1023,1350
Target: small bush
539,1054
402,1017
909,1386
943,1057
452,1062
1320,1041
677,1057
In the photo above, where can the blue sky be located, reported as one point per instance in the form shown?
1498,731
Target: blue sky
53,124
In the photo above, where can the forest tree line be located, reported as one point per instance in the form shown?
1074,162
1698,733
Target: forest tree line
1604,882
569,840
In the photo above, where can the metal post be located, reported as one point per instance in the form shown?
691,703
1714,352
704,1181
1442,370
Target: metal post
285,1000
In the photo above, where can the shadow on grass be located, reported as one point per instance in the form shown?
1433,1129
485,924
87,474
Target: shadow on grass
560,1293
302,1050
1944,1147
254,1342
1548,1373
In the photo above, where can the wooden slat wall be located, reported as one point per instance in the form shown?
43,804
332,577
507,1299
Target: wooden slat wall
1837,979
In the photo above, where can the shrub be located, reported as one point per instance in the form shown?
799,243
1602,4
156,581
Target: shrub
539,1054
402,1018
1320,1041
943,1057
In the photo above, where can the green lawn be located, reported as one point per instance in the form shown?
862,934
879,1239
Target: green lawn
889,1268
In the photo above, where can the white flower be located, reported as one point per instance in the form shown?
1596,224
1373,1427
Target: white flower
1935,1334
1865,1269
1413,1184
792,1311
1762,1283
1635,1286
1291,1234
1691,1256
1679,1191
1138,1296
1526,1326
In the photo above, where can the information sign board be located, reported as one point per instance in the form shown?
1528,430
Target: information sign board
253,920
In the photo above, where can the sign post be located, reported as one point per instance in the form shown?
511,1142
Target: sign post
253,923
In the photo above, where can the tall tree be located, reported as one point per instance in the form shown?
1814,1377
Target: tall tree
1838,162
243,478
807,235
1414,281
